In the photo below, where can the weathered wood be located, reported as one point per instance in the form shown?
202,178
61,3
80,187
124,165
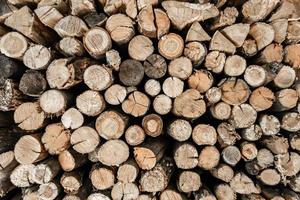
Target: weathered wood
146,22
155,66
280,27
288,164
44,172
276,144
13,45
118,148
71,26
285,99
291,55
197,33
137,104
71,182
269,177
215,61
171,46
227,135
226,17
37,57
195,12
196,52
221,110
180,130
29,116
29,149
249,47
48,15
90,103
71,46
97,196
152,125
131,72
248,151
49,190
98,77
7,9
223,172
242,184
162,22
111,125
113,59
236,33
235,65
201,80
256,75
20,175
82,7
120,28
32,83
56,138
220,43
185,155
243,116
272,53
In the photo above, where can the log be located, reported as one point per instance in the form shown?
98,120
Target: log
10,68
196,12
137,104
90,103
152,87
262,33
29,116
243,116
29,149
223,172
235,91
220,43
146,22
128,172
53,102
172,87
135,135
113,59
204,134
152,125
162,22
142,3
196,52
140,48
269,124
285,77
32,83
149,153
20,175
44,172
249,47
84,139
180,130
56,138
72,119
171,193
203,194
289,122
98,77
70,26
188,181
155,66
171,46
70,160
185,155
80,8
221,110
256,76
124,191
280,27
226,17
7,9
71,182
292,32
102,177
94,36
120,28
162,104
235,65
30,26
294,183
197,33
118,148
60,5
248,151
95,19
189,104
157,179
272,53
8,162
236,33
215,61
288,164
49,190
276,144
9,41
201,80
209,157
48,15
291,55
285,99
181,68
227,134
111,125
70,46
131,72
269,177
115,94
294,142
96,196
224,191
242,184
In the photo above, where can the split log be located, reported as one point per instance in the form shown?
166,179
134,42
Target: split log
20,175
84,139
44,172
90,103
53,102
215,61
235,65
29,149
204,134
118,148
280,27
172,87
71,46
32,83
291,55
120,28
137,104
102,178
189,181
262,33
185,155
180,130
48,15
196,52
140,47
96,36
135,135
60,5
236,33
189,104
10,41
72,119
149,153
143,3
157,179
71,182
113,59
146,22
8,162
128,172
272,53
71,26
292,32
152,125
152,87
7,9
111,125
29,116
82,7
56,138
30,26
226,17
201,80
242,184
196,12
220,43
162,22
197,33
155,66
209,157
94,19
171,46
223,172
227,135
37,57
125,191
131,72
98,77
70,160
162,104
181,68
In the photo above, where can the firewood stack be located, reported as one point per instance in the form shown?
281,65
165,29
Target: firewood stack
150,100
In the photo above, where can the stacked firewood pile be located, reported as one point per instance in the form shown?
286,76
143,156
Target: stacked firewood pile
148,99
